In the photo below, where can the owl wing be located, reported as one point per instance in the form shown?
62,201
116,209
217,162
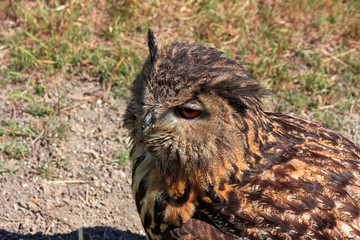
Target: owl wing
297,199
196,229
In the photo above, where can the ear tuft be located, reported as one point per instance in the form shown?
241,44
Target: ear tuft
152,46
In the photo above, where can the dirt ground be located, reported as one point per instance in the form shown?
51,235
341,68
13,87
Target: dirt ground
88,190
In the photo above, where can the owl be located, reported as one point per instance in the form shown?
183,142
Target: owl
210,163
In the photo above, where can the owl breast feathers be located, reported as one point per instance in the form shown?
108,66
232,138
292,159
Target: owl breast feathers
209,163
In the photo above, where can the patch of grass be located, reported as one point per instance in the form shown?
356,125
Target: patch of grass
7,166
121,156
16,148
55,130
52,129
11,127
81,233
18,139
47,168
307,51
330,119
35,108
63,164
55,38
37,104
44,170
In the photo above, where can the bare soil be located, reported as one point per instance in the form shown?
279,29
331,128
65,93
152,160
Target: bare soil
87,191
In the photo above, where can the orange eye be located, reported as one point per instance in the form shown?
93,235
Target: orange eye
188,112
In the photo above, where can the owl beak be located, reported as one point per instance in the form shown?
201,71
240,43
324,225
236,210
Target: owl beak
148,122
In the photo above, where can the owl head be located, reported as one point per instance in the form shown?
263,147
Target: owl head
188,106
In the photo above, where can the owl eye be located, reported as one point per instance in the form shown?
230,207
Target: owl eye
188,112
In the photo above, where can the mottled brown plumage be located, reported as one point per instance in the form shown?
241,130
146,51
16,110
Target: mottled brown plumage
209,163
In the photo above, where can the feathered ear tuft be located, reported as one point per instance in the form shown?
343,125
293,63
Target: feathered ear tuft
152,46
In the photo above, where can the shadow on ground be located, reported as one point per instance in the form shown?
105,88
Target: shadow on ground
93,233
